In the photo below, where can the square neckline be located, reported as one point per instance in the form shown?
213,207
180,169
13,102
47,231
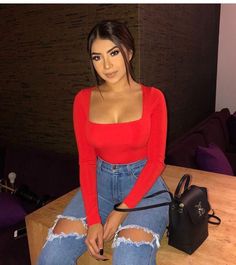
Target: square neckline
116,123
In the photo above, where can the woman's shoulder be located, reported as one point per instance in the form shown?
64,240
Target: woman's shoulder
81,99
83,94
154,94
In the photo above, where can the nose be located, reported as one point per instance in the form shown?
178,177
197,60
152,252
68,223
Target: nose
107,63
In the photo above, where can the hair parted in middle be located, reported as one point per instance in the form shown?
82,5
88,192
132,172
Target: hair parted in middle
118,33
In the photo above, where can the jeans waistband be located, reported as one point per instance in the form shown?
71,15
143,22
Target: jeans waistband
116,166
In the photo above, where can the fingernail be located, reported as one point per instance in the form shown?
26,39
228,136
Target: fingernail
101,251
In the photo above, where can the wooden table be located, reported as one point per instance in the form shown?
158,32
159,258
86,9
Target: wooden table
218,249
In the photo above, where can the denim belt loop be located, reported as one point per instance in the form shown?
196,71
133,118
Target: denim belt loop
128,168
99,162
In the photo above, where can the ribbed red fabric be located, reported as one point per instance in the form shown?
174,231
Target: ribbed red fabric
116,143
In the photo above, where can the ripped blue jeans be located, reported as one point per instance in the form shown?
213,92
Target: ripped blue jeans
114,182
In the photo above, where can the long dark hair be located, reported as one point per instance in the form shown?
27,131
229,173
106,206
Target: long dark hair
118,33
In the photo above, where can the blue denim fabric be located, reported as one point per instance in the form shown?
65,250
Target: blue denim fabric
114,182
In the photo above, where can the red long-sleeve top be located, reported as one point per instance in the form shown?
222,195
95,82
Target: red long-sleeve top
123,142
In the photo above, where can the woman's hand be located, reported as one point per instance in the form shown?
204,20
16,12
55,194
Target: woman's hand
113,221
94,241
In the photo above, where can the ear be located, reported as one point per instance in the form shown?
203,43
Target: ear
130,55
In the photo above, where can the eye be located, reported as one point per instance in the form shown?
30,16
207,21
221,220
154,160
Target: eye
115,52
96,58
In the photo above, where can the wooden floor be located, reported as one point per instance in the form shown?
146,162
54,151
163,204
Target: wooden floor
218,249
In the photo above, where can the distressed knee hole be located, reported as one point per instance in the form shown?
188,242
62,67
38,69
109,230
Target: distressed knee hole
65,226
137,235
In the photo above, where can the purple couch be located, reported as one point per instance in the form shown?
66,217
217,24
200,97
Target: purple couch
203,143
46,174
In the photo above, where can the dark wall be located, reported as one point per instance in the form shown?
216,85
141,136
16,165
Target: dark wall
179,45
43,63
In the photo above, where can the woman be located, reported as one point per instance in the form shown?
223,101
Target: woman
120,127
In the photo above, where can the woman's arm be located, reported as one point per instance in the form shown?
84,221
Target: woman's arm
156,152
87,161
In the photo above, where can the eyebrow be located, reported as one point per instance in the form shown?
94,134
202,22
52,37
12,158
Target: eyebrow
107,51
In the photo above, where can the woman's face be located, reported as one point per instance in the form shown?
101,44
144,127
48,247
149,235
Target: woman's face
108,60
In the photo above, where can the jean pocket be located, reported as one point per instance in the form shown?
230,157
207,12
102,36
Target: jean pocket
135,171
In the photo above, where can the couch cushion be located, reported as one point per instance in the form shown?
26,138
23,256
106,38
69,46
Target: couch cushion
183,152
214,133
11,211
213,159
223,116
232,160
231,122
